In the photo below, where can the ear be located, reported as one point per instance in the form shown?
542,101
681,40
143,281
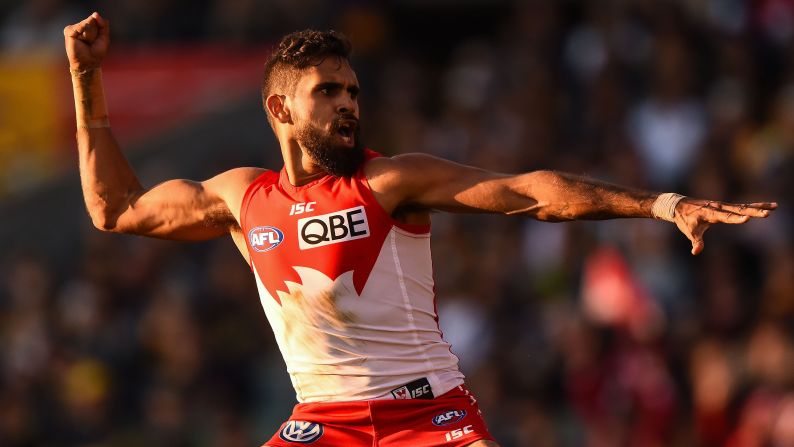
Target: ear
277,108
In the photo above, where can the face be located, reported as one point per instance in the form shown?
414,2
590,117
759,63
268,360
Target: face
324,110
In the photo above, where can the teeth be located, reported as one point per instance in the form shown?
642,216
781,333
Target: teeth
346,129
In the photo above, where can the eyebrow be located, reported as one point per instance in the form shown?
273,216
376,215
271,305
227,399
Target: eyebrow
354,89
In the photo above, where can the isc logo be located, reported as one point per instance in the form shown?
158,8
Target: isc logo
458,433
418,389
300,208
332,228
449,417
264,239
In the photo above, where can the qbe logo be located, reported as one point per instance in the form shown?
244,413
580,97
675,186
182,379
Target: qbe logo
264,239
301,432
333,228
449,417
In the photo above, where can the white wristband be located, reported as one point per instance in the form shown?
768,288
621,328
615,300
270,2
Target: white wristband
91,113
664,206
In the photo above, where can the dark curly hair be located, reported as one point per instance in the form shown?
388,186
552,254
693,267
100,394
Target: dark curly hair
296,52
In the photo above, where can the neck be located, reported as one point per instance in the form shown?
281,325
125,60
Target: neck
299,166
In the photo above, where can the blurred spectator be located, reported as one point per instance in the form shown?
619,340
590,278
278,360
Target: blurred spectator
669,126
36,26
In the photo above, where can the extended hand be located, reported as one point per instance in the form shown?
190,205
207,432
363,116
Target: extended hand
693,217
87,42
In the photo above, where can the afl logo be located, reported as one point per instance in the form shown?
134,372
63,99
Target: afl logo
264,239
449,417
301,432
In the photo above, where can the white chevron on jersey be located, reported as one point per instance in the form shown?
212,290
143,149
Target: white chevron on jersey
339,345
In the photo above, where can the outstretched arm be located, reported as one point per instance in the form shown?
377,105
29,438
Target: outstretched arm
115,199
424,181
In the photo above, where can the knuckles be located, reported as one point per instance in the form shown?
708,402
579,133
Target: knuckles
85,26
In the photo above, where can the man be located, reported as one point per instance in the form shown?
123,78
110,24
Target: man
338,241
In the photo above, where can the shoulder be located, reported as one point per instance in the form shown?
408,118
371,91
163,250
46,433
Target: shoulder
384,173
407,170
232,185
234,181
383,168
238,176
397,180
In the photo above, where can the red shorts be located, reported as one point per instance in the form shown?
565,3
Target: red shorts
452,419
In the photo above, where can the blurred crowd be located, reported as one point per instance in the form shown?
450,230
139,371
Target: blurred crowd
576,334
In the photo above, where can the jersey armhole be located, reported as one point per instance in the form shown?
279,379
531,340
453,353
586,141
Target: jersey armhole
261,180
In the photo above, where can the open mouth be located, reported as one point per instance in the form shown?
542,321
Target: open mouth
346,129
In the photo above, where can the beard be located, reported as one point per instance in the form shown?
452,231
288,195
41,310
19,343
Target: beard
334,158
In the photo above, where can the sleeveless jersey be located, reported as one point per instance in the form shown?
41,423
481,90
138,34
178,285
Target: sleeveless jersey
347,289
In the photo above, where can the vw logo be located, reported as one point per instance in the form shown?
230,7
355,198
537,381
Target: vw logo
301,432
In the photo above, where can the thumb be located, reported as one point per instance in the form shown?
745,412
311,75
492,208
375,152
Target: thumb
697,247
697,239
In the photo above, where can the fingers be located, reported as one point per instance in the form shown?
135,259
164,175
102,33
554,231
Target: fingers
81,29
89,32
695,217
758,209
764,205
88,29
726,217
713,212
102,23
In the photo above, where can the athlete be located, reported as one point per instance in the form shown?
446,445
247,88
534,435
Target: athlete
338,241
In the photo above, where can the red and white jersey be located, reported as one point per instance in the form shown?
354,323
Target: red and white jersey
348,290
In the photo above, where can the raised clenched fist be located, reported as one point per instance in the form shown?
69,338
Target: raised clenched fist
87,42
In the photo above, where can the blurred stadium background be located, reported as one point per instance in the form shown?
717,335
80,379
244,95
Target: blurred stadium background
578,334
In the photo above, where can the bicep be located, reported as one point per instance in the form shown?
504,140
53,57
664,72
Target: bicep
177,209
440,184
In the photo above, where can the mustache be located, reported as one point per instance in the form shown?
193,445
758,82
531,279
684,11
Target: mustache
337,123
